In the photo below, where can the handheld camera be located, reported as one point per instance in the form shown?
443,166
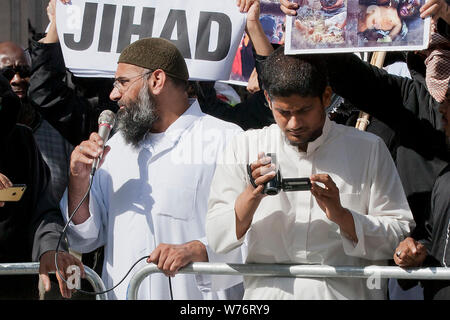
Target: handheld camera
278,183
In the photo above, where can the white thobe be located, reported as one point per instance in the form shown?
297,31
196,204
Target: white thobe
290,228
154,194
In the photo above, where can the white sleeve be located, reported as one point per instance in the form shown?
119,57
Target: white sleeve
207,282
388,219
236,255
228,183
89,235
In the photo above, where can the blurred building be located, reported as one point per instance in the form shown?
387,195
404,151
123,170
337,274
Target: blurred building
20,18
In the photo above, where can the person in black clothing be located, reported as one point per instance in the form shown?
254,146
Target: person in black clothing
15,66
70,104
432,249
31,227
251,113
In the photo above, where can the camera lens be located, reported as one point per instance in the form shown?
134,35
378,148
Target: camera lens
271,192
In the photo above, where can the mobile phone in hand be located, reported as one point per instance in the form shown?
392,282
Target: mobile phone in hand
13,193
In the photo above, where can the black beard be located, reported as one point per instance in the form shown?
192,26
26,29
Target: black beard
304,144
138,117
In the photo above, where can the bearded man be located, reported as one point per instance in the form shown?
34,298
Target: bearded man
150,195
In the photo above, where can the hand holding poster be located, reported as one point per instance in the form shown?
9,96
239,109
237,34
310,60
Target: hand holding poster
273,23
92,33
356,25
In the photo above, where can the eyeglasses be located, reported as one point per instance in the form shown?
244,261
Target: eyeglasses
123,84
10,71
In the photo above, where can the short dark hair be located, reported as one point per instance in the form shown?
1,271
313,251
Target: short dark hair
179,83
284,75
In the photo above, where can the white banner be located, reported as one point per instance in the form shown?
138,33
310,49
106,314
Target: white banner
93,33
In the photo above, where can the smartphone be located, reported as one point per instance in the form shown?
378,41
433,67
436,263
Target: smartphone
13,193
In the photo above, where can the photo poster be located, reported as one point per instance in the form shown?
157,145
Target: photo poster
93,33
327,26
273,22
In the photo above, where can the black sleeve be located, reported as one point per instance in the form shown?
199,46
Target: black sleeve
46,221
403,104
251,113
426,233
68,113
440,217
259,60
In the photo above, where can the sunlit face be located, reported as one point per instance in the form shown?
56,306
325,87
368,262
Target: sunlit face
300,118
137,105
128,82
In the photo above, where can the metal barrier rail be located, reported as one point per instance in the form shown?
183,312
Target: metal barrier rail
33,268
296,271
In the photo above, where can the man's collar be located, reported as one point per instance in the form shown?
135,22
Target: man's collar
174,132
314,145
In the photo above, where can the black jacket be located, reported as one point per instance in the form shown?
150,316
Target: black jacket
33,225
70,104
436,237
252,113
406,107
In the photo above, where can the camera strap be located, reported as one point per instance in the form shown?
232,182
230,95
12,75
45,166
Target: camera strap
249,172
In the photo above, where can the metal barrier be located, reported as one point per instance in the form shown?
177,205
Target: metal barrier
33,268
296,271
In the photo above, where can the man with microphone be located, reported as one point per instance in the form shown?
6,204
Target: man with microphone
149,193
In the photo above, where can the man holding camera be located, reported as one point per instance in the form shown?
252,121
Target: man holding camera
355,212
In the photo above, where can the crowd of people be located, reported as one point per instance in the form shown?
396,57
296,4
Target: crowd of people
184,176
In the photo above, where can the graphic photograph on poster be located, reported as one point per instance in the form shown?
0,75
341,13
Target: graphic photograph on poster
320,24
389,22
273,22
356,25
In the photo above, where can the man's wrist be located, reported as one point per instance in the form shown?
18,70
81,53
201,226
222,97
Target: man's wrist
198,249
77,186
344,219
253,24
251,196
340,216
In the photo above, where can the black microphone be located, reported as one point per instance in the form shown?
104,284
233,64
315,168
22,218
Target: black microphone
106,122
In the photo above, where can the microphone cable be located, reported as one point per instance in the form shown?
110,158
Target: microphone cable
64,232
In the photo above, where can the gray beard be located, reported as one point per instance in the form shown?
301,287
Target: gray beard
137,118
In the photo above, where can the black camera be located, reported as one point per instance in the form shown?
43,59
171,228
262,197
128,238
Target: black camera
275,185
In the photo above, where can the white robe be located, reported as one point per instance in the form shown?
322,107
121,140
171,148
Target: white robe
291,228
154,194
